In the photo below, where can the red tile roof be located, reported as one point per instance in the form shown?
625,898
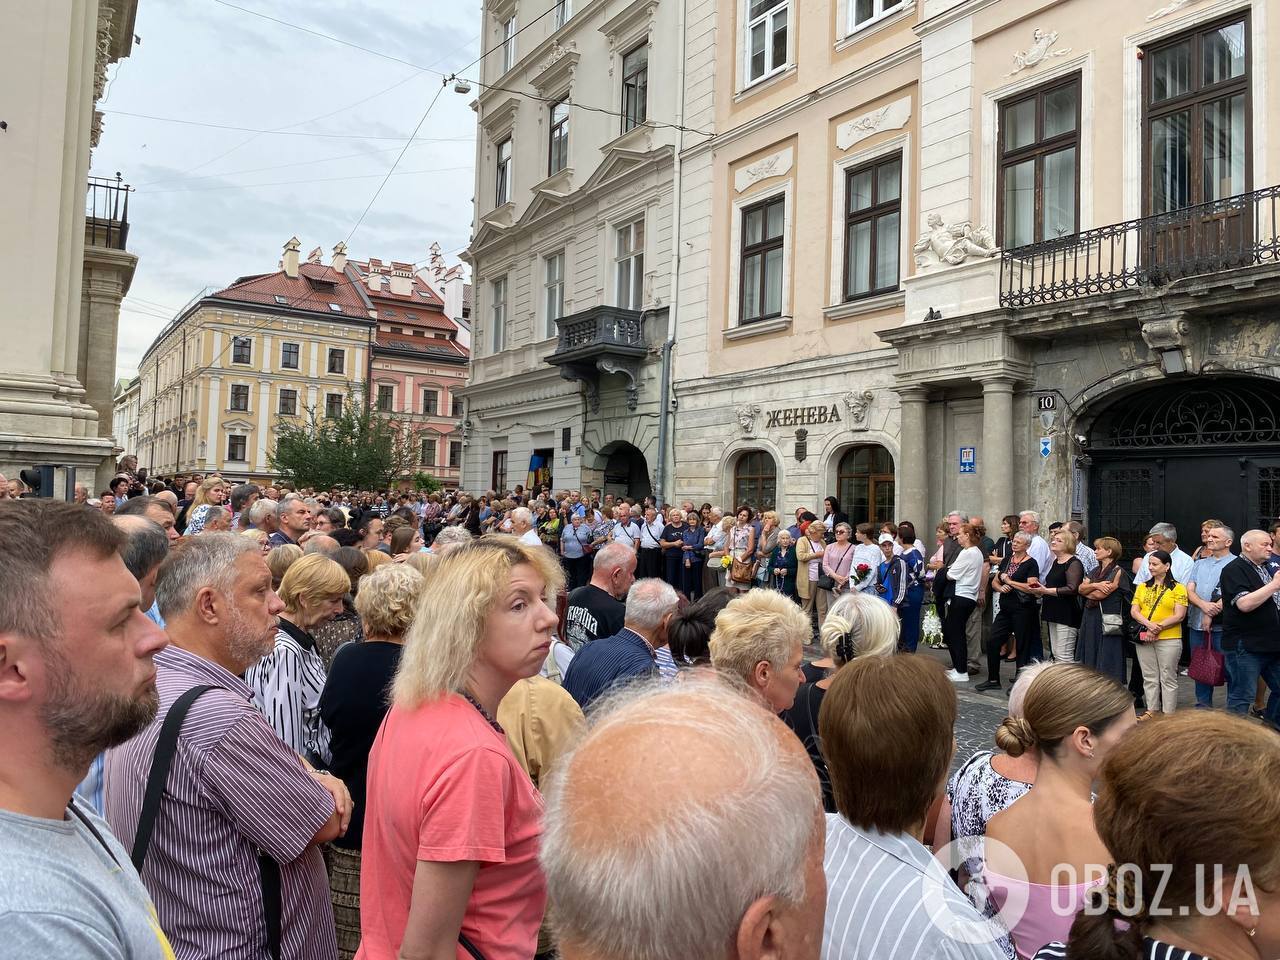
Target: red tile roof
421,292
299,292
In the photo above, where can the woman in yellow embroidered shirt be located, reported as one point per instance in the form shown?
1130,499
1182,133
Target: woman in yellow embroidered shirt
1159,607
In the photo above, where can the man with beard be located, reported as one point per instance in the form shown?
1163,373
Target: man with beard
237,831
75,678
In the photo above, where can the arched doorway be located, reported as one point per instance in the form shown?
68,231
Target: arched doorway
626,472
755,481
1182,452
865,484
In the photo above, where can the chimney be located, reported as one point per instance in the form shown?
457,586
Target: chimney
402,279
375,280
340,257
290,261
315,255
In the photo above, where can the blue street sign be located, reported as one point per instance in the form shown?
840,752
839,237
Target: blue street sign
968,460
1046,447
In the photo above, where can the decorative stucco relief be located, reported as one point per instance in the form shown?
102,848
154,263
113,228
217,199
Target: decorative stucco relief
774,165
893,116
1041,49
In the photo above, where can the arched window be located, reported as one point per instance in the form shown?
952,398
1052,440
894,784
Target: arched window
755,481
864,484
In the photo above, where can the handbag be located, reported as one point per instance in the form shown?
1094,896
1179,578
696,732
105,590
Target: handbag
1112,624
742,571
1207,664
827,582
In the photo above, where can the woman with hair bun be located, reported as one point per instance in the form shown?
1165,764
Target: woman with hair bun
1073,716
857,625
1178,801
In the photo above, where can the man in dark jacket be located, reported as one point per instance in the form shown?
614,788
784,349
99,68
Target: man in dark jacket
1250,622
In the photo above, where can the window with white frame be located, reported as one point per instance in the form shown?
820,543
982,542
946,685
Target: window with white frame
237,448
498,315
288,403
561,15
635,87
429,451
872,231
766,40
863,13
240,396
629,265
431,402
553,285
760,274
558,142
386,395
502,174
333,405
508,31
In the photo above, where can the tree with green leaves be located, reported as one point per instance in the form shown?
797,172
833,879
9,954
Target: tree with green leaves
358,449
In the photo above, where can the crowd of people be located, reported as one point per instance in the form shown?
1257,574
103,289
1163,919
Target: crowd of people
249,722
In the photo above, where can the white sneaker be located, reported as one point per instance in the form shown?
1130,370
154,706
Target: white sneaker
955,676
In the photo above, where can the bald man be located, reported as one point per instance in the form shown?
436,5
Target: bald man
618,880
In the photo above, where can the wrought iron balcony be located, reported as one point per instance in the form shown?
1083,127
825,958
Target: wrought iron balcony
1200,240
106,219
601,340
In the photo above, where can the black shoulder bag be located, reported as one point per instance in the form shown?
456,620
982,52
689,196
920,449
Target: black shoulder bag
166,747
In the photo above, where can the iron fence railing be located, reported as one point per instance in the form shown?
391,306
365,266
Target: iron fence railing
1207,238
106,219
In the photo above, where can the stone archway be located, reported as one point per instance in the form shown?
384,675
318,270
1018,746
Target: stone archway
626,471
1182,451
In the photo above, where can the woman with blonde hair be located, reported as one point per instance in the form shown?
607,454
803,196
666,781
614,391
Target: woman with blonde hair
212,492
809,550
759,639
376,558
1187,813
352,706
287,682
767,543
1059,596
857,625
280,559
453,823
1073,716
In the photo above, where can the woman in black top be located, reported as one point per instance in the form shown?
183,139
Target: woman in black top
831,516
352,706
672,543
1060,602
1108,595
1015,628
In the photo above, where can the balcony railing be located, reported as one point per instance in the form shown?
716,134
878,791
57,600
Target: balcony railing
1207,238
603,327
106,219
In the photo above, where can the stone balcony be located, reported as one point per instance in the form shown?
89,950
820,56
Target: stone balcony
601,340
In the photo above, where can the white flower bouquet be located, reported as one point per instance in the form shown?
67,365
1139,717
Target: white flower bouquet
931,629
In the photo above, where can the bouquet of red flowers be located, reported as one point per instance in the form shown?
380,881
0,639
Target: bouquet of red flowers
863,571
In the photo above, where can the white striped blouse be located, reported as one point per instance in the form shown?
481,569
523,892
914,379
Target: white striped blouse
286,685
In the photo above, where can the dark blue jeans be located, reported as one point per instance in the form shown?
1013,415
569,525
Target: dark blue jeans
1204,692
1243,671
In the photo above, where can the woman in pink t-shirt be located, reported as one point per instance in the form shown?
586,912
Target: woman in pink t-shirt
453,823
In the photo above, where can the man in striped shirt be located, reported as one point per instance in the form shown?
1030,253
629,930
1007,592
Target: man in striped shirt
234,788
887,731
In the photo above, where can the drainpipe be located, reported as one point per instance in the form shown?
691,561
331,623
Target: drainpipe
664,413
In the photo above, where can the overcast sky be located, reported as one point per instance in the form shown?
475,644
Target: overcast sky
214,204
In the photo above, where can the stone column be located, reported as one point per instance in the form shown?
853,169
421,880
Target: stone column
994,467
913,466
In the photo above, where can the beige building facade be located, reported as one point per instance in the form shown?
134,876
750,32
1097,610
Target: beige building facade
984,255
217,380
62,259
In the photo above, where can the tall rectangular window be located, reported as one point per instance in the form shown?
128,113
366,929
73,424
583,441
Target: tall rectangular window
240,396
455,409
760,274
1040,164
289,356
386,393
635,87
553,287
502,174
337,360
498,476
288,406
872,231
333,405
629,265
508,43
237,448
1196,105
241,350
561,15
431,402
429,452
863,13
558,144
455,453
766,40
498,315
